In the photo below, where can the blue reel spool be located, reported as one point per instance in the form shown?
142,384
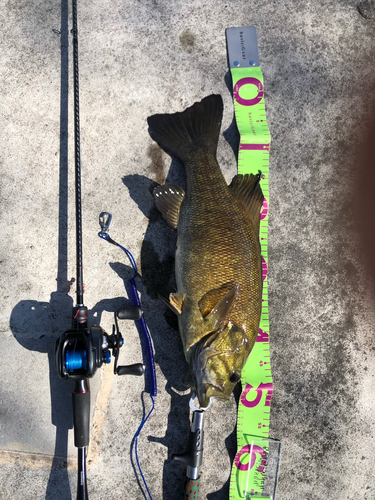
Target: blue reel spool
75,359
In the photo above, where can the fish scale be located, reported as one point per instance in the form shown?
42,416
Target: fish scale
236,249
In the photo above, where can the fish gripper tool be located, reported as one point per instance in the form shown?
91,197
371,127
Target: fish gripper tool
193,455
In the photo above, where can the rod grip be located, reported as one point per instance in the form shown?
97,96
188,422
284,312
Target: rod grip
81,417
190,490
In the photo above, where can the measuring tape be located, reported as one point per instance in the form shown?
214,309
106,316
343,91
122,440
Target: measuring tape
253,461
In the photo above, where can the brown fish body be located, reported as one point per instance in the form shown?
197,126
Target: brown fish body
218,261
216,244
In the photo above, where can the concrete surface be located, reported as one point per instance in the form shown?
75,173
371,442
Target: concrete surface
139,58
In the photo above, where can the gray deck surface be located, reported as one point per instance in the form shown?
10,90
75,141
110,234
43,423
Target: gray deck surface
143,57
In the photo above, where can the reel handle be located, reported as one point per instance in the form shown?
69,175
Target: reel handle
130,312
137,369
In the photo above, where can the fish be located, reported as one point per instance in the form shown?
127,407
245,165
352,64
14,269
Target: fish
218,265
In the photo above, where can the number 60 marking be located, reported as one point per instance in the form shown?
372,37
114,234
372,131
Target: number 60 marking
253,449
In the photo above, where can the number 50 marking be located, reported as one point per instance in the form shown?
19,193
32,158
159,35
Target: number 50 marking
259,392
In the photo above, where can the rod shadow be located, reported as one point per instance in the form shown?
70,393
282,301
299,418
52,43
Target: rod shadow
37,325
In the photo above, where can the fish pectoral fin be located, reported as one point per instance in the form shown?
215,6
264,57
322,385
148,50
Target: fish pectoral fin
213,297
168,199
247,191
217,304
174,303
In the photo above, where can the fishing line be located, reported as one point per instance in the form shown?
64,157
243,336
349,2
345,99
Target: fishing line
105,220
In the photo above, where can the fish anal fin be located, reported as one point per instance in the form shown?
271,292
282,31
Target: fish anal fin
245,188
177,301
217,304
174,303
168,199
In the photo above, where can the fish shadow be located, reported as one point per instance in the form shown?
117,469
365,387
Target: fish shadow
158,278
157,275
231,134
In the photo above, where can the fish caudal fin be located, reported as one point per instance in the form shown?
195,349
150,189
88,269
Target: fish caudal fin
247,191
179,134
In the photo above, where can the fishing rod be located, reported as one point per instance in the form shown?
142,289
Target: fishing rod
80,351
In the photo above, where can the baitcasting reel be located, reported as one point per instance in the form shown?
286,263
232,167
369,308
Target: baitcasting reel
80,351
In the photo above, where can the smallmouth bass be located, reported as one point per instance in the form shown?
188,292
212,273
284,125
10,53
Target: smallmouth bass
218,262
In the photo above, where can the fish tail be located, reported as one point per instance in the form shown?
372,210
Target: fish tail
198,127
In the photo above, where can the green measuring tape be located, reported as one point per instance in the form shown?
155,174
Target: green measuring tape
255,468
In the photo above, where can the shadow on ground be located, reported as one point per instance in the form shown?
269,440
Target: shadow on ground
37,325
157,269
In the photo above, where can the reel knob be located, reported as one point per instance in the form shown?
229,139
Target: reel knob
130,312
137,369
107,358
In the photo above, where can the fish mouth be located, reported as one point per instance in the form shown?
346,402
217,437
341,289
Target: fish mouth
208,391
206,386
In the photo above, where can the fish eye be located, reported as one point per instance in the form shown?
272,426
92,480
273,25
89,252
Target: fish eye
235,377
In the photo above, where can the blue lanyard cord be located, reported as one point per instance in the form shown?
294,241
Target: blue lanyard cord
141,322
135,444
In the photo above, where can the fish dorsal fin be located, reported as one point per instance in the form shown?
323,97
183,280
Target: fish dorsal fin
247,191
168,199
216,304
175,302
